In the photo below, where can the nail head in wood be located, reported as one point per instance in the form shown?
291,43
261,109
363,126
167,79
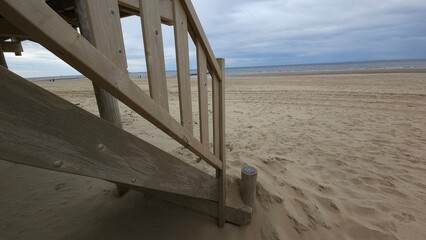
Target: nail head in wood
57,163
100,147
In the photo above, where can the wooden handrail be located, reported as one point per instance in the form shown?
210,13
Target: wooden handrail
200,34
39,21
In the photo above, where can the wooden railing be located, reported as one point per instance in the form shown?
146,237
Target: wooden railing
106,65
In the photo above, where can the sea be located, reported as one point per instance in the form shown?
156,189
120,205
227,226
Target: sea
295,68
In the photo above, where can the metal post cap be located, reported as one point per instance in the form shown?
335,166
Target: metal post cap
249,170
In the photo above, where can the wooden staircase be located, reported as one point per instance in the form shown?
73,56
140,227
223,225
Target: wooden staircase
42,130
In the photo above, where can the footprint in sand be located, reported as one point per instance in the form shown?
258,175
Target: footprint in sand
404,217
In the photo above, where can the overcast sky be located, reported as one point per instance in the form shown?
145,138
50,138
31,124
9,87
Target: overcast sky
275,32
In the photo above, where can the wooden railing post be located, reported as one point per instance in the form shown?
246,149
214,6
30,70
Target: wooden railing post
202,94
100,24
220,122
154,51
182,64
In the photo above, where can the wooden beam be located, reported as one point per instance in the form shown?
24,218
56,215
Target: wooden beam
132,7
236,211
202,94
222,173
38,20
8,30
3,62
40,129
62,5
99,22
200,34
154,51
15,47
182,63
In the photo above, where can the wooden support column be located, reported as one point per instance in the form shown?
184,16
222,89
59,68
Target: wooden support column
221,174
3,62
100,24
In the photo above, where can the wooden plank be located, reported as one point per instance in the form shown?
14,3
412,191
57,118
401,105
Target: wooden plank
8,30
200,34
99,22
43,130
15,47
236,211
182,63
203,95
216,115
61,5
132,7
38,20
154,52
40,129
222,172
104,30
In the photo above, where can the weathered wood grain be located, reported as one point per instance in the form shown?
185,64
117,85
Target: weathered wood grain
8,30
236,211
182,63
216,115
38,128
222,145
202,94
35,18
154,51
100,24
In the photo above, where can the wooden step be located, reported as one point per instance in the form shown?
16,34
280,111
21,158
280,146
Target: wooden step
40,129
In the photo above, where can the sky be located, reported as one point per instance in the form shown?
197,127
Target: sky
274,32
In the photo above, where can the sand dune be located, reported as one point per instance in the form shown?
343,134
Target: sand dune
339,157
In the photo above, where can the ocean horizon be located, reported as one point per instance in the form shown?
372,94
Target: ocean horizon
291,68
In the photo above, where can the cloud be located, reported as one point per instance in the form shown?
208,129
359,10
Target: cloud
298,31
265,32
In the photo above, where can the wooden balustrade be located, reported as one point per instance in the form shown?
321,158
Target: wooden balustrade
39,22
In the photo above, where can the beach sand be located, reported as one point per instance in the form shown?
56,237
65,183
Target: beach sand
339,156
